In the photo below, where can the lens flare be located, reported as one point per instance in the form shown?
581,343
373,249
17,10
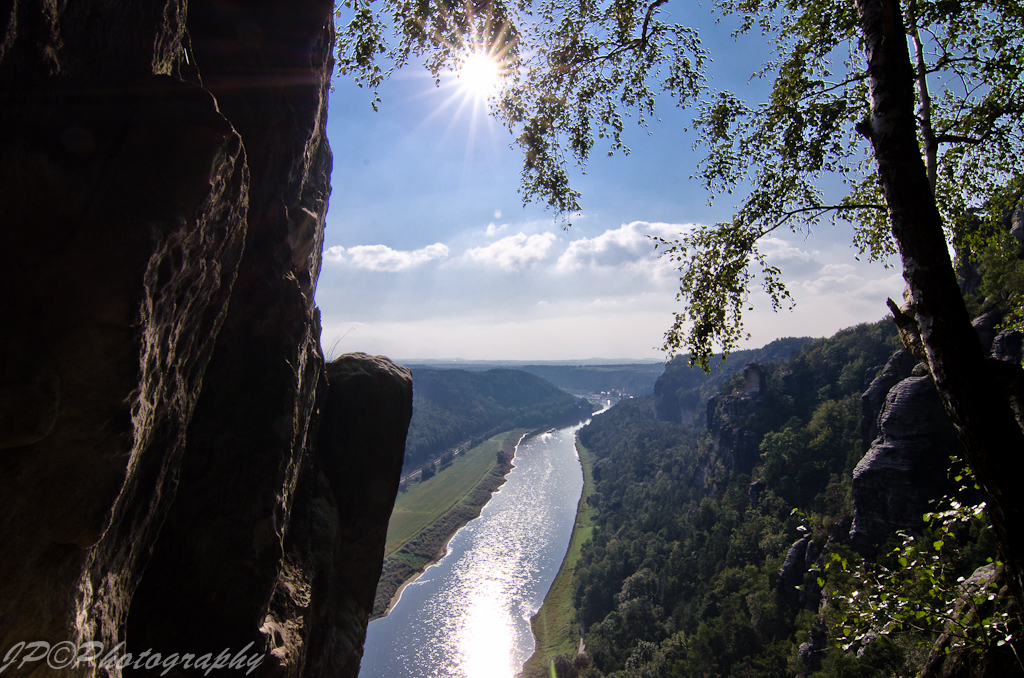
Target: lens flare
480,74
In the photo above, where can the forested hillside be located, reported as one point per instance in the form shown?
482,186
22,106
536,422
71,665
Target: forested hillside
631,380
714,531
451,407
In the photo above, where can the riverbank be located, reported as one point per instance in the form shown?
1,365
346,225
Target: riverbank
554,627
428,514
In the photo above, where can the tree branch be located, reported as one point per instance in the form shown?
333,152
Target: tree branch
647,21
820,209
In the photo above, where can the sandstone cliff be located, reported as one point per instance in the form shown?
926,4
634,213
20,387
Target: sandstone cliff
178,471
905,469
909,441
737,422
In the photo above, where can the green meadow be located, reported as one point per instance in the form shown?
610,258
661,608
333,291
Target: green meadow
430,512
424,502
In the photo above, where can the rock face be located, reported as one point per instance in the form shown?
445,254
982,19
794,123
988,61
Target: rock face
737,422
177,470
906,466
681,390
872,400
791,574
950,658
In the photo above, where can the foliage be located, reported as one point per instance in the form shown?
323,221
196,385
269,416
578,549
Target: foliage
925,587
799,460
681,575
969,62
987,242
572,71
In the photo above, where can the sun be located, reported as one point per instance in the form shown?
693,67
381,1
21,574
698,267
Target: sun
479,74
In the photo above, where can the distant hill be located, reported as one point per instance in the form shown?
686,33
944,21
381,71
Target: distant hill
631,379
454,406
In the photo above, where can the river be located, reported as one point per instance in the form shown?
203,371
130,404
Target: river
468,616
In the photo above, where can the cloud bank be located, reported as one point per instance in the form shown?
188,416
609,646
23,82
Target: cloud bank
627,248
512,253
383,258
538,294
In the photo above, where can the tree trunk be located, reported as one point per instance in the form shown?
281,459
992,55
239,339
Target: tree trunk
974,391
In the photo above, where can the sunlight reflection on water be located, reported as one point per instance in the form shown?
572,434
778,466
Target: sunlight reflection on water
469,616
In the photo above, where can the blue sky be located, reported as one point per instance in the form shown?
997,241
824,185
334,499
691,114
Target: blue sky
429,252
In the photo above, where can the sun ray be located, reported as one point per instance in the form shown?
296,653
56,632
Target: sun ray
479,73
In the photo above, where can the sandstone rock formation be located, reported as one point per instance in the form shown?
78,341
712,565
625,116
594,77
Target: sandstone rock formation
737,422
950,657
791,574
176,471
681,390
905,468
872,400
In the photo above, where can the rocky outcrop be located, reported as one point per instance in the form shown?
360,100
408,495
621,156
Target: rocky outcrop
908,440
905,469
172,471
811,653
872,400
1007,346
361,442
680,392
737,422
986,325
950,657
791,574
755,380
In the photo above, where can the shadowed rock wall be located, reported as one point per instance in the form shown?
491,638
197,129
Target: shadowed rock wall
166,475
905,468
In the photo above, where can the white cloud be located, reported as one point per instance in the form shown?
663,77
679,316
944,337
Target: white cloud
625,247
492,229
778,251
837,269
383,258
840,283
513,252
566,331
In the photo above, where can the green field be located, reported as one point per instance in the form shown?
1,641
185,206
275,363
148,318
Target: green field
425,502
428,513
554,625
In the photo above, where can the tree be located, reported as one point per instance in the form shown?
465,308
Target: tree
981,396
571,71
918,140
916,161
